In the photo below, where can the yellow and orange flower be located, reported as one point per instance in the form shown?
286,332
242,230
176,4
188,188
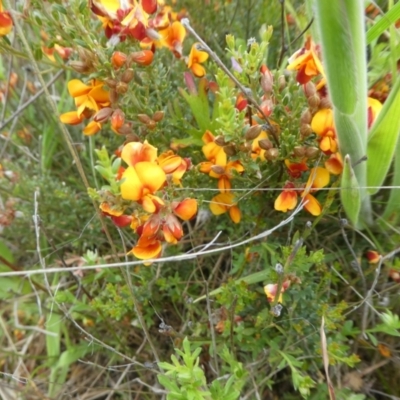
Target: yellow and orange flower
173,165
322,124
307,64
334,164
318,179
195,59
225,202
161,226
6,22
135,152
222,172
256,150
141,180
89,99
287,200
185,209
212,151
146,249
296,169
173,37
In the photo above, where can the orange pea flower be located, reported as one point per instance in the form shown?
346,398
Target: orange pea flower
322,124
195,59
111,210
225,202
185,209
172,229
89,99
141,180
135,152
256,150
146,249
222,173
307,64
319,178
334,164
6,22
173,165
271,289
212,151
173,37
296,169
287,200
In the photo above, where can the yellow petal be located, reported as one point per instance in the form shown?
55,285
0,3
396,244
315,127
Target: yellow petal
287,200
134,152
186,209
99,95
319,178
313,206
151,175
92,128
77,88
220,203
235,214
322,121
71,118
131,186
198,70
152,250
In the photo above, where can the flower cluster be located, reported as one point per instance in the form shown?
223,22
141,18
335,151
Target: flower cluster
146,185
150,22
217,166
318,119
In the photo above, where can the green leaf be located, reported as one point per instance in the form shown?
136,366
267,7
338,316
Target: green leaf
53,324
384,22
350,192
168,383
383,139
199,105
335,23
60,371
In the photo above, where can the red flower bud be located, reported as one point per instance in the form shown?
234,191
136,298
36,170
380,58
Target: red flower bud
144,57
117,119
118,59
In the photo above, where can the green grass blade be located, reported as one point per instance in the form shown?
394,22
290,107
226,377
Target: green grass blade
382,140
384,23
